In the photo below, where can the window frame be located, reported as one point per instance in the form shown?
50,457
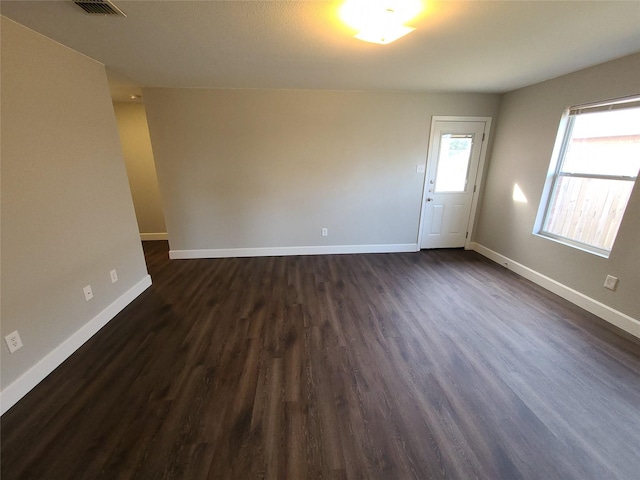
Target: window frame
563,138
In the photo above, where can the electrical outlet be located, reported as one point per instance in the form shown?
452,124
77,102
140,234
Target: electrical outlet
114,276
88,294
13,341
611,282
325,232
420,169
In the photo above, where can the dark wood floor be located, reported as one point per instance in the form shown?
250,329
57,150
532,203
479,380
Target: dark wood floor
436,364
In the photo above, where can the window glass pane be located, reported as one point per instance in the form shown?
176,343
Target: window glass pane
588,210
453,163
604,143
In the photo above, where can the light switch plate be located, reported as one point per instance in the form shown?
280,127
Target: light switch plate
88,293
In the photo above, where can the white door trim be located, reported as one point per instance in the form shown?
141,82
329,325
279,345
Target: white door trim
478,179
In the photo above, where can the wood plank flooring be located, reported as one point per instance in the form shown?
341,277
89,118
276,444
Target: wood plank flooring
437,364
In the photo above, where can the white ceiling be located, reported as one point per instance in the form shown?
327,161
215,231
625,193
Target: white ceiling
471,46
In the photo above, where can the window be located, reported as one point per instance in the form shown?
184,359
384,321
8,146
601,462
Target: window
594,169
453,163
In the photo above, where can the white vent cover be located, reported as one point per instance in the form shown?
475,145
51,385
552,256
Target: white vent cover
99,7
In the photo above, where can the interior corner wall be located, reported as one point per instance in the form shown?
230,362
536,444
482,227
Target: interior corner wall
251,169
67,215
141,168
525,136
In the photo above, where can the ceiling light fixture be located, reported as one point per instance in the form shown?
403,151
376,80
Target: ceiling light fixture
380,21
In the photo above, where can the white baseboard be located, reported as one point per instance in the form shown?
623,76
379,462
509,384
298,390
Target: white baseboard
153,236
32,377
287,251
619,319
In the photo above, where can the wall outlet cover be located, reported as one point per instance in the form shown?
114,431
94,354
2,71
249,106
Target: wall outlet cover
14,342
611,282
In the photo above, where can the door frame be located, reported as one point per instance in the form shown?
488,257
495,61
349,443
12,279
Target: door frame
477,181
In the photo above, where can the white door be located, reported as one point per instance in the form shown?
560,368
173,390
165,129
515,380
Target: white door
452,168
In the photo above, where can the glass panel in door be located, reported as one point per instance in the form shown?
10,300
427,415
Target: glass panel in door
453,163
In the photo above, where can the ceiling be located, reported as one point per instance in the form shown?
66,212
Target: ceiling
458,46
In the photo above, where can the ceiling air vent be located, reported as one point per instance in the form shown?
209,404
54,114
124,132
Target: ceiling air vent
99,7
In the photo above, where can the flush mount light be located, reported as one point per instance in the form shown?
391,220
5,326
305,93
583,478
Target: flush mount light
380,21
135,97
384,35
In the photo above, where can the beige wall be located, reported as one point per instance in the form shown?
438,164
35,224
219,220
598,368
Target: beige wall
141,168
67,215
270,168
525,136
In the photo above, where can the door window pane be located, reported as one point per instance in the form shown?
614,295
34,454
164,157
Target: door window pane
453,163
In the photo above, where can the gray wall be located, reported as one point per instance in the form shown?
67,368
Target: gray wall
67,215
525,136
141,169
265,168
